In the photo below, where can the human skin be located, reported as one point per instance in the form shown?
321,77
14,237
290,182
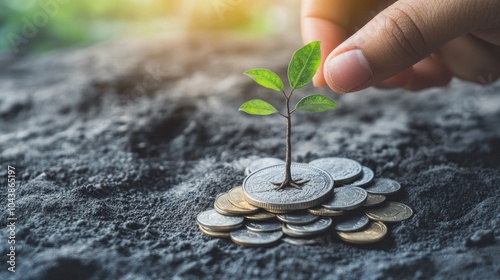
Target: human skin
411,44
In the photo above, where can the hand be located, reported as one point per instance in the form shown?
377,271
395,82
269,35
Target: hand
412,44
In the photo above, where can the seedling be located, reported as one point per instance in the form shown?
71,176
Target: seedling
303,65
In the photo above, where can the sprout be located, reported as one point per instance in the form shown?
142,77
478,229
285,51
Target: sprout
302,67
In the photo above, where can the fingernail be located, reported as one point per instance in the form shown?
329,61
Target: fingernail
349,70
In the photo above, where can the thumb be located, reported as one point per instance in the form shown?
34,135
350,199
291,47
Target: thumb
400,36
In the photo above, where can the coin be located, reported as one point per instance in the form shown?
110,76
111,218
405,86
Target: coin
289,232
322,211
366,178
259,191
383,186
222,202
374,199
214,221
260,216
262,163
375,232
220,234
251,238
346,198
390,212
343,170
263,226
314,240
314,228
297,218
222,212
352,223
235,197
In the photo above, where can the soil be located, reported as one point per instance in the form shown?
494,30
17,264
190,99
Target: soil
117,147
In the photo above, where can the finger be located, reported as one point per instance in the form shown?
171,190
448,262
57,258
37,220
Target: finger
325,21
426,73
470,58
400,36
362,11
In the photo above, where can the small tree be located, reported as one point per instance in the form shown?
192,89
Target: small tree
302,67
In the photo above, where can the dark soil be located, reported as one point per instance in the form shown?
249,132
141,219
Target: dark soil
118,147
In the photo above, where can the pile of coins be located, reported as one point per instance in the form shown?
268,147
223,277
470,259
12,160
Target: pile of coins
338,194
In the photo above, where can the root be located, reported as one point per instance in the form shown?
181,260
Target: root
290,183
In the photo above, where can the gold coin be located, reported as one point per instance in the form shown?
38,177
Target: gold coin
220,234
222,212
321,211
374,199
375,232
260,216
235,197
390,212
223,204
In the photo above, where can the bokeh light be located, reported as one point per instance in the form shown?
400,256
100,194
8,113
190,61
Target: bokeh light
40,25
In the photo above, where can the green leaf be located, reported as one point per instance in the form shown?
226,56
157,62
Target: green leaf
304,64
257,107
316,103
266,78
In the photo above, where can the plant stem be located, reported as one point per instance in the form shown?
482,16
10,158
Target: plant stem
288,158
288,181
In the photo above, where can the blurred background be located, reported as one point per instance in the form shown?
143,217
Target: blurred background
34,26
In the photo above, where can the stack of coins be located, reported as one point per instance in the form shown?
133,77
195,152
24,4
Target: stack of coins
336,195
214,224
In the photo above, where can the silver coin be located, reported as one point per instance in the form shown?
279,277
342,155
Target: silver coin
212,220
262,163
297,218
252,238
316,227
265,226
352,223
346,198
259,191
343,170
383,186
365,179
315,240
374,199
290,232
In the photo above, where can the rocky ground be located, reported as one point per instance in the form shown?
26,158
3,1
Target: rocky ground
118,147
